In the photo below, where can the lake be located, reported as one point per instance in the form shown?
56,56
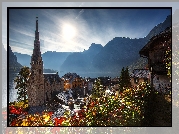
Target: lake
12,90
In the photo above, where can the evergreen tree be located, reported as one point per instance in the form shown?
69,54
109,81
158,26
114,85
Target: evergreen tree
121,80
127,78
97,90
21,83
124,81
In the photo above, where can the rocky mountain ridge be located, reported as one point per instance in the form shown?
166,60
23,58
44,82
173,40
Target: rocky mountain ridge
102,61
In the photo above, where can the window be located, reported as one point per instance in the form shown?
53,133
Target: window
136,80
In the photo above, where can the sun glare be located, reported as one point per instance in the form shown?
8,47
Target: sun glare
69,31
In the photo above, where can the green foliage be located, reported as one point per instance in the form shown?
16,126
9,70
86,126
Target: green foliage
124,81
167,60
21,83
125,110
98,89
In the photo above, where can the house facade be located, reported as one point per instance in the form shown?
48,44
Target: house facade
72,81
140,75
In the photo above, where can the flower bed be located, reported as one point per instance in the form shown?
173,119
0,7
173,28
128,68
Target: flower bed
127,109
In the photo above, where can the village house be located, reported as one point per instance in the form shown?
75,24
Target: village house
41,86
88,84
156,52
72,81
140,75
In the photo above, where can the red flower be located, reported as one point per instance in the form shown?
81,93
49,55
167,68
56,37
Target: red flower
59,121
13,110
50,113
13,123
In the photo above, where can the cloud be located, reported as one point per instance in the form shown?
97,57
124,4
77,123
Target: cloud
21,50
95,26
22,31
81,11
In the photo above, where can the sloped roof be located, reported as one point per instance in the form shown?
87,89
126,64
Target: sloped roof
71,76
161,37
52,77
140,73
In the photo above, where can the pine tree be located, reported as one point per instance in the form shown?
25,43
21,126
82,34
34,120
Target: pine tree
127,78
121,80
21,83
124,81
97,89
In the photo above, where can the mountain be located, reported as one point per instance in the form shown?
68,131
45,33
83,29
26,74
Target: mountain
49,71
14,66
160,27
51,60
118,53
23,59
121,52
98,60
81,62
140,63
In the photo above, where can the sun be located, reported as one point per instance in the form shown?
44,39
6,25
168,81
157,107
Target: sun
69,31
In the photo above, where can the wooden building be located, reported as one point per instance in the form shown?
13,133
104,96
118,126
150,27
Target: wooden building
156,52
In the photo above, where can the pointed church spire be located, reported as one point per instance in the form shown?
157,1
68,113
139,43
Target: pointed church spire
36,51
37,24
36,31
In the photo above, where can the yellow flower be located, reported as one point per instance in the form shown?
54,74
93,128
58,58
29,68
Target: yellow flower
26,105
46,117
24,122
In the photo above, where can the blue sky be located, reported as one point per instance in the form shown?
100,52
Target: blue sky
73,30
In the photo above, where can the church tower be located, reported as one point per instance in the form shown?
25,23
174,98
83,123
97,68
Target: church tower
35,89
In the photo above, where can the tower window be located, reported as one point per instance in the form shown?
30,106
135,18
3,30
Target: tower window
40,71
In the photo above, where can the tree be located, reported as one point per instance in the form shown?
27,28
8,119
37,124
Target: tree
21,83
121,80
168,62
124,81
97,90
127,78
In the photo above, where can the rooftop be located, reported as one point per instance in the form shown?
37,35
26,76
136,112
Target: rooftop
140,73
